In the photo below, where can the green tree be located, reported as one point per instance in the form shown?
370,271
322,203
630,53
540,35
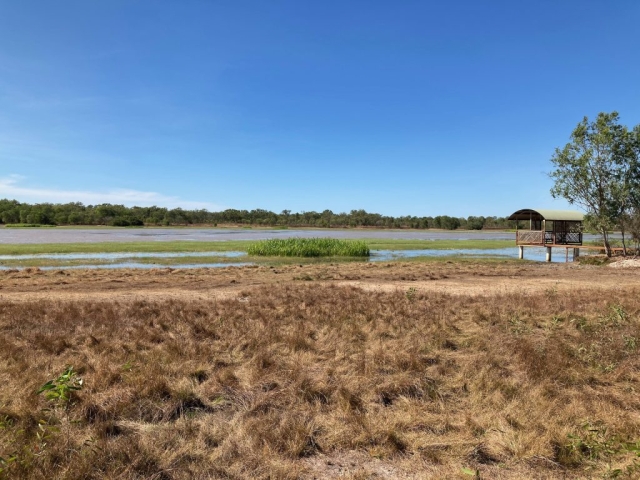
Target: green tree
627,189
591,171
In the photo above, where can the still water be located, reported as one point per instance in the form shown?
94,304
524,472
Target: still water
128,260
92,235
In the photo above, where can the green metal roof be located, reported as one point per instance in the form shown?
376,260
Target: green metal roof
538,213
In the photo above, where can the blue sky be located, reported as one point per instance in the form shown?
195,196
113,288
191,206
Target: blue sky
406,107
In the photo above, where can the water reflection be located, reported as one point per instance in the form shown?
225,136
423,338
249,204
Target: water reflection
530,253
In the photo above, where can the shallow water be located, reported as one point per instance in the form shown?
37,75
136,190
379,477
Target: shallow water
530,253
118,255
93,235
145,266
536,254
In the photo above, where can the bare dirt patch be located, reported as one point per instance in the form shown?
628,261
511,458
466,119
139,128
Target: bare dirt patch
626,263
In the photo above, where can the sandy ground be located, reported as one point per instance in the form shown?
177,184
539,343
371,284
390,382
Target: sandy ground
452,278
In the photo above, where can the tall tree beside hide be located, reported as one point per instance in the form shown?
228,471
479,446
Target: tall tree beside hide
592,169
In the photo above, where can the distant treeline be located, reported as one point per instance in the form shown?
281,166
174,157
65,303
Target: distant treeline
14,212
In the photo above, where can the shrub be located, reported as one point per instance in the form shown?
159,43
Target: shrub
126,222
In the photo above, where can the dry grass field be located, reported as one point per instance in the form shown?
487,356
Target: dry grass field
401,370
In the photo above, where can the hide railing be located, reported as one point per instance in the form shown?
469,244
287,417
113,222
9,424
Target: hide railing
527,237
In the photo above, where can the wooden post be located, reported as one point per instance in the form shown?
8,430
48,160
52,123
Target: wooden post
520,252
576,254
548,254
566,256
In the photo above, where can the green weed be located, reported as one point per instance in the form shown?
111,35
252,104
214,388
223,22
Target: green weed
60,389
475,473
630,342
60,392
595,443
517,326
411,294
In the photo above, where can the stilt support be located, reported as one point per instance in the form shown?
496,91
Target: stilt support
576,254
548,254
520,252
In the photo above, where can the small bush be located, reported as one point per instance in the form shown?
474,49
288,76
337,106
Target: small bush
309,247
593,260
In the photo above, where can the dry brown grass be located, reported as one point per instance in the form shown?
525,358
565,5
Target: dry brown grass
461,278
304,380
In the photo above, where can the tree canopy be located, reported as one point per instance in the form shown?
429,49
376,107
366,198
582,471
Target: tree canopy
599,170
12,211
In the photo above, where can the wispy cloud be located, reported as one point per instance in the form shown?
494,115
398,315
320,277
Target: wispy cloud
11,187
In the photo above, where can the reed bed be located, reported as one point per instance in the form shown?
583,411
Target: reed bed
309,247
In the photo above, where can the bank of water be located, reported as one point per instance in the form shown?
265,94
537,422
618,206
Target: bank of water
148,260
141,266
117,255
530,253
143,260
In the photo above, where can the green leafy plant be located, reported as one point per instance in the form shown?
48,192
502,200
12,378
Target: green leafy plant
25,454
60,389
475,473
5,424
60,392
595,443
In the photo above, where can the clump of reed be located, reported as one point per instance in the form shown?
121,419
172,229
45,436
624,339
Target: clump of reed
309,247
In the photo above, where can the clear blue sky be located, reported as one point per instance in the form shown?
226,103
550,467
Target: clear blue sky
397,107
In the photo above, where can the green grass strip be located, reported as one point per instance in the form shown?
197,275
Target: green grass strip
113,247
27,225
